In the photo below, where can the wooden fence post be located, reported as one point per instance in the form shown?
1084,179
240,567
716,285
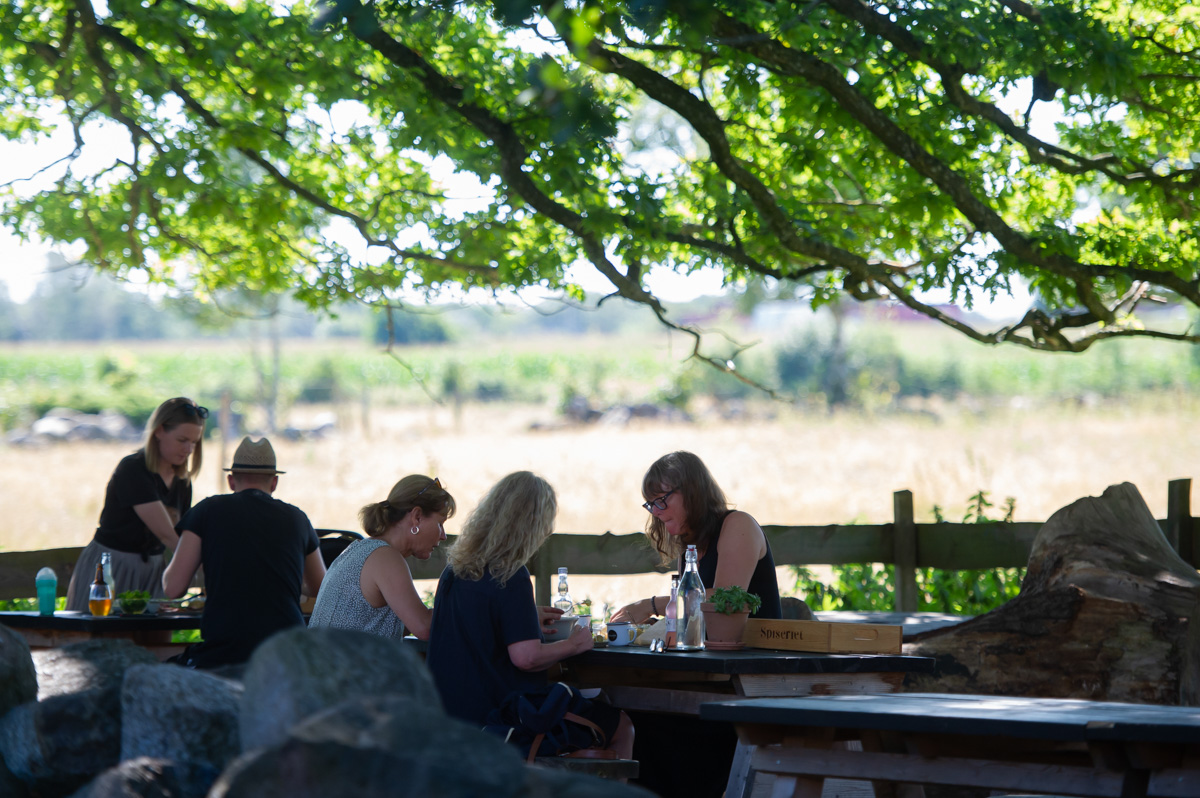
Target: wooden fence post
904,548
1179,518
541,567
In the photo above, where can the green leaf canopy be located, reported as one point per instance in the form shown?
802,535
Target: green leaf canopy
850,147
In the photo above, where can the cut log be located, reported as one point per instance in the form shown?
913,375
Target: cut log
1103,614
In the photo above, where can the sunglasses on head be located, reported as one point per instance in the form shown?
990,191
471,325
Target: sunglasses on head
195,410
436,482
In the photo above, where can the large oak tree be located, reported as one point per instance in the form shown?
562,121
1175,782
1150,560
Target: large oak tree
856,148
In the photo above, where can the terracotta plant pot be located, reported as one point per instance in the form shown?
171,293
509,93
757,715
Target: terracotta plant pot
722,628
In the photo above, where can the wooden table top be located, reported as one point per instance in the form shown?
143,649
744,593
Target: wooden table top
86,622
943,713
749,661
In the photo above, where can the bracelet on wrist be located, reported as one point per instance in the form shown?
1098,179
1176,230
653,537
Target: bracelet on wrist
653,606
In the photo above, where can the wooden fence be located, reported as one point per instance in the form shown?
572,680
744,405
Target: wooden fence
903,542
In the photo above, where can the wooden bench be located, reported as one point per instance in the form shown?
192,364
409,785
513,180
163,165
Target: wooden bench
601,768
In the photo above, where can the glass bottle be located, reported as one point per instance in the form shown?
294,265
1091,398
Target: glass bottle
106,561
564,602
689,619
100,597
672,614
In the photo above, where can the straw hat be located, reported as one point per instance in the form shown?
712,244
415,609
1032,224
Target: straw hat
254,458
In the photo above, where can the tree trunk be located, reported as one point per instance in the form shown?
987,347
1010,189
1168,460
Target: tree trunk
1103,614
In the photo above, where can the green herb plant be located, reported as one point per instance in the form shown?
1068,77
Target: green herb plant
733,599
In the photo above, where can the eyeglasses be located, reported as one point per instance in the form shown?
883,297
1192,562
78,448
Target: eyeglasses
658,504
436,483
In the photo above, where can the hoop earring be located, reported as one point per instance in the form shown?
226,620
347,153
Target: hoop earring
414,530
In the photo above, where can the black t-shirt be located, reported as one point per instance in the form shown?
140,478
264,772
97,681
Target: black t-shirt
131,484
763,582
252,547
474,622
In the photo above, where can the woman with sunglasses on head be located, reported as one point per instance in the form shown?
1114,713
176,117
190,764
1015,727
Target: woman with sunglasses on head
147,494
687,506
369,586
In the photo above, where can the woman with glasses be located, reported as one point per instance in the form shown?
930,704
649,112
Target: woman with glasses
147,494
369,586
687,506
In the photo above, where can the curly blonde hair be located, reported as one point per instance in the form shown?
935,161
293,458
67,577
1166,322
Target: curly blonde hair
506,529
415,490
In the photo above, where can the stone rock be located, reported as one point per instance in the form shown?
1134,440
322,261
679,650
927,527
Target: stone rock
18,677
57,745
180,715
367,746
86,665
298,672
10,785
146,777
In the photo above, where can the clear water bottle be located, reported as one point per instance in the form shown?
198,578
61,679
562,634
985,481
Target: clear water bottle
564,602
689,618
672,624
106,562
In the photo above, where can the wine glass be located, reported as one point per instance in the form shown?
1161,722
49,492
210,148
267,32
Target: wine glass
100,599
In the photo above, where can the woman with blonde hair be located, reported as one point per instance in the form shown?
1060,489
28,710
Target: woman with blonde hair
146,496
487,641
369,586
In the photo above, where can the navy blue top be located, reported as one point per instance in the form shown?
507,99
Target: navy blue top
763,583
252,547
133,483
474,623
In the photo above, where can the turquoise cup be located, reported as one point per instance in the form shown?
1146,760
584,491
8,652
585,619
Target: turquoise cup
47,589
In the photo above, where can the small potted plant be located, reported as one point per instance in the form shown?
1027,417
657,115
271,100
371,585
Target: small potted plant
725,616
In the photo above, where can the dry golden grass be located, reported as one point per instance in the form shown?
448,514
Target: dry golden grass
792,469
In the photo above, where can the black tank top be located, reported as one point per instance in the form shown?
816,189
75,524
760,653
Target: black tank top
763,583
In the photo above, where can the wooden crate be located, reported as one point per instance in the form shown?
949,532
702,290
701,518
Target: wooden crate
823,637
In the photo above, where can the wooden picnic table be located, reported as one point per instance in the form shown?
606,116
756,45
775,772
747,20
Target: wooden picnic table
682,683
1006,743
152,632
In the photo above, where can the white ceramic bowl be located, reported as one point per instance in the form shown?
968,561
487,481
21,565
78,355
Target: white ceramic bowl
563,626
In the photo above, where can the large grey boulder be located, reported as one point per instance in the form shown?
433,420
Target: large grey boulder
58,745
378,747
182,716
302,671
146,777
18,678
87,665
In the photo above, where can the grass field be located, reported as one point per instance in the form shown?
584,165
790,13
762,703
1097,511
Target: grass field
784,467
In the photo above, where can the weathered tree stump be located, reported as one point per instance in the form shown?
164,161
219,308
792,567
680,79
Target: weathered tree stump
1103,614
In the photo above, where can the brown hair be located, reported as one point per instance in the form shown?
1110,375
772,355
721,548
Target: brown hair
167,416
415,490
704,503
506,529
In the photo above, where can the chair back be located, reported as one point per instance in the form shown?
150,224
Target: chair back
333,542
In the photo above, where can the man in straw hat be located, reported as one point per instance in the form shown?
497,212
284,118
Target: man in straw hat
259,554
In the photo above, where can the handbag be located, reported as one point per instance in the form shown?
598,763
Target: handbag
549,721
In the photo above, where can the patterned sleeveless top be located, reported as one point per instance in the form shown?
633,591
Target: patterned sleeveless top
340,603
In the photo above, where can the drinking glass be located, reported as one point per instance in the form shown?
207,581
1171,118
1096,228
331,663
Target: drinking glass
100,600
